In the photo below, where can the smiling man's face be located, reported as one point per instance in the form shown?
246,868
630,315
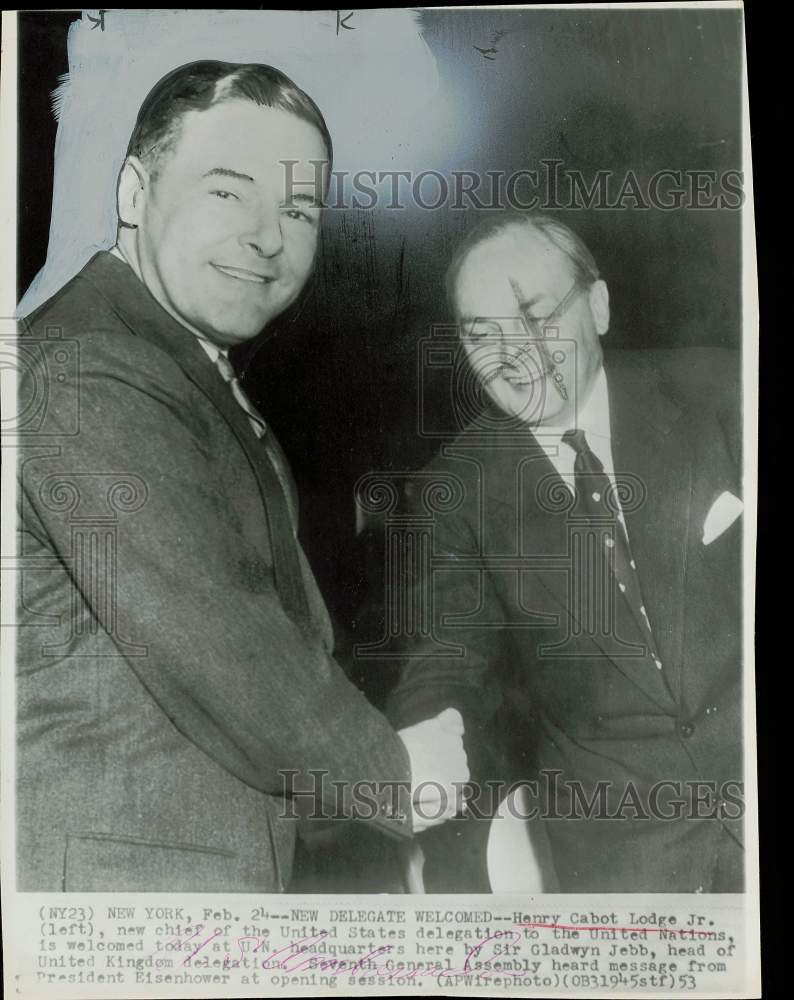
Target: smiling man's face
218,243
519,268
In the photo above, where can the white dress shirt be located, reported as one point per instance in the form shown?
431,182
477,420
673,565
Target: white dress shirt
593,419
212,350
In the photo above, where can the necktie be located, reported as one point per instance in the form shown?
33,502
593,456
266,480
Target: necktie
596,499
254,418
283,544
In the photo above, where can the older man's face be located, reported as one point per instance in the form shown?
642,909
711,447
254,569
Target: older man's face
526,373
219,244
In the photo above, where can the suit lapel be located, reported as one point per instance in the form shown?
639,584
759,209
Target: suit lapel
146,318
647,444
516,476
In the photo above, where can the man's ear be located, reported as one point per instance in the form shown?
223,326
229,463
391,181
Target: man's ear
131,192
599,306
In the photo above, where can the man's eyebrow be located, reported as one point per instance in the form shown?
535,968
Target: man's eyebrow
305,199
226,172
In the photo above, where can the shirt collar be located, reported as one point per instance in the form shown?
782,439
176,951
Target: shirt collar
212,351
592,418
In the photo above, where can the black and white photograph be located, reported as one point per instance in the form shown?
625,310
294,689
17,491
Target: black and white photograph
379,502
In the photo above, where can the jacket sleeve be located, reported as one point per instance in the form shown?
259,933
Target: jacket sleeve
222,659
453,664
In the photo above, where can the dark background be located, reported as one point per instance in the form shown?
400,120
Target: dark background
599,90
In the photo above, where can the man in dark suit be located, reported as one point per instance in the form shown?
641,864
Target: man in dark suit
586,590
178,704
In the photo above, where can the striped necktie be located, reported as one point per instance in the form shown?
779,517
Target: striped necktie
229,376
283,543
596,499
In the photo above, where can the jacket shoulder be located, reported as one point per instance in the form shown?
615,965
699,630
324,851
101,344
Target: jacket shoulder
78,304
81,322
687,375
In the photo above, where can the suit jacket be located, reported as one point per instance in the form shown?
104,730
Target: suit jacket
166,701
547,696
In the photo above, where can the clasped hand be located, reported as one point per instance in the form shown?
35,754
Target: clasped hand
439,769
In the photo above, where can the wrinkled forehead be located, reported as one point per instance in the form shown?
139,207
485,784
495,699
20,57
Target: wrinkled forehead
526,256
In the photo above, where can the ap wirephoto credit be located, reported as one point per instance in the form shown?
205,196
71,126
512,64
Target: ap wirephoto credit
379,503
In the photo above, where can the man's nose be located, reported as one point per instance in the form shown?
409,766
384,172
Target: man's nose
515,334
265,238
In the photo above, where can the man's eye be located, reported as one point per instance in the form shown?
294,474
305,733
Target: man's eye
225,195
297,215
479,331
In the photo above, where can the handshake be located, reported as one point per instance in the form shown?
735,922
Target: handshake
439,770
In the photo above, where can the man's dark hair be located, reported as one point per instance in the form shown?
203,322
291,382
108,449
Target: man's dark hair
199,86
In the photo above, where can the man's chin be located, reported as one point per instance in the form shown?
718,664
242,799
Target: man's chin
230,332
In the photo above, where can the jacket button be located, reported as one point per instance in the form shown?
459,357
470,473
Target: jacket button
685,730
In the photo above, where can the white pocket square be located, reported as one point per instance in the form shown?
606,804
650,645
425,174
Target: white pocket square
724,511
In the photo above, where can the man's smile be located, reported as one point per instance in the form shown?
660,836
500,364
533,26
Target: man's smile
244,274
520,379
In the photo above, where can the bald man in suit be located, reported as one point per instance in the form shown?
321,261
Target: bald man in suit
587,611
